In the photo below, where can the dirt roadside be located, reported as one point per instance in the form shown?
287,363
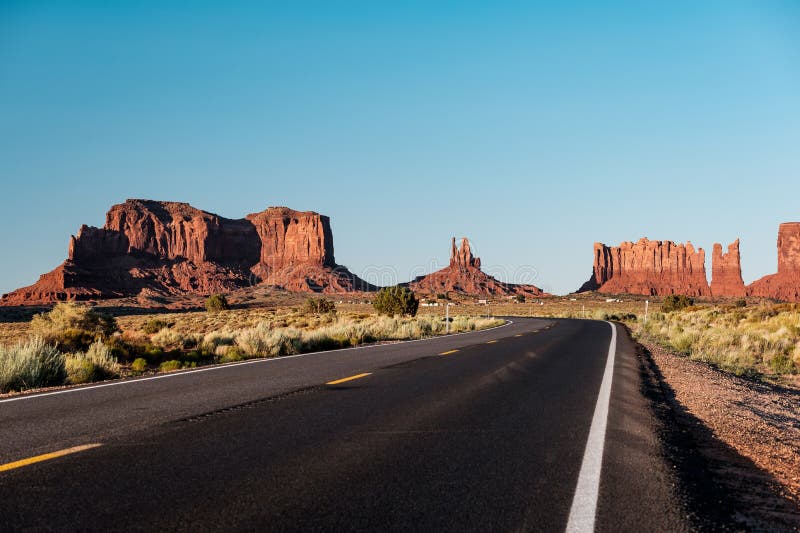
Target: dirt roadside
735,442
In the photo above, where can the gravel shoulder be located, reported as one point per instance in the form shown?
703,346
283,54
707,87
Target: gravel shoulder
745,435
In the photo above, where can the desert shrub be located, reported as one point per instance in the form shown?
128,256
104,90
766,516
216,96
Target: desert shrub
520,298
153,354
95,365
229,354
154,325
139,365
167,338
169,366
397,300
442,296
740,303
264,341
318,306
73,326
122,350
216,303
676,302
29,364
782,364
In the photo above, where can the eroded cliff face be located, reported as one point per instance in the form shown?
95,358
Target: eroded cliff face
785,285
726,272
172,247
654,268
464,275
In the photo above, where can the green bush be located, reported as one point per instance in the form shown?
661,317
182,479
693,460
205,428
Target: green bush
520,298
154,325
30,364
169,366
740,303
139,365
318,306
73,326
395,300
676,302
216,303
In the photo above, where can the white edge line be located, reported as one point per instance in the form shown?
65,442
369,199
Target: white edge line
241,363
583,513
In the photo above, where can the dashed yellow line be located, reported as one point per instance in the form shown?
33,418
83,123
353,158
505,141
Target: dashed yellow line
448,352
47,456
491,342
350,378
518,335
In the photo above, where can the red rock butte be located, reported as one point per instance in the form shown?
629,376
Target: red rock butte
785,285
726,271
464,275
174,248
650,268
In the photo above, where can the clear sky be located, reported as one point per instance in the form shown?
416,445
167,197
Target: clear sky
535,129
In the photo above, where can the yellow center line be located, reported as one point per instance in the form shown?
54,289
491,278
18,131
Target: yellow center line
351,378
47,456
491,342
518,335
448,352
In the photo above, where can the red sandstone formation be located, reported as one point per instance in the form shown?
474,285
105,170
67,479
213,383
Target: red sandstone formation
726,272
464,275
649,268
785,285
173,248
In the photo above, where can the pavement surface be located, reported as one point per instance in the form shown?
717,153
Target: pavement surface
539,425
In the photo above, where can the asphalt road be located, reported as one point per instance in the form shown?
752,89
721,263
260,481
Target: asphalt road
520,428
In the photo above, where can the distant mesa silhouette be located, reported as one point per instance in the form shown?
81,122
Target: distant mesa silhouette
464,275
173,248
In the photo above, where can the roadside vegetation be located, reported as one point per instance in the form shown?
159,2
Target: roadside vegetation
762,340
73,343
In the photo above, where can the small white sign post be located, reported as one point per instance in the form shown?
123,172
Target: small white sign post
646,307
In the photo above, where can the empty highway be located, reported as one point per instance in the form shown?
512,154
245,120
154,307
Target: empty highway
539,425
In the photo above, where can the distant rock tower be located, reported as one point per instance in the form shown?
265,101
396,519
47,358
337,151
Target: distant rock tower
726,271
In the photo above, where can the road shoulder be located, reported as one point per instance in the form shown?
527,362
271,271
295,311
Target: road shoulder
711,429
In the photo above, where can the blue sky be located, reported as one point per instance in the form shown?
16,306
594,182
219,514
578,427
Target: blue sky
535,129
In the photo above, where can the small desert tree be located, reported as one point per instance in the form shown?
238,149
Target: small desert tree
318,306
676,302
216,303
395,301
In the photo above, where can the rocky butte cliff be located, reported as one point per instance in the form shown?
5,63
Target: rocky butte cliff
173,248
785,285
464,275
726,272
650,268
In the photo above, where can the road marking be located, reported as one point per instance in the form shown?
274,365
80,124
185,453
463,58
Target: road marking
212,368
448,352
583,513
518,335
351,378
47,456
490,342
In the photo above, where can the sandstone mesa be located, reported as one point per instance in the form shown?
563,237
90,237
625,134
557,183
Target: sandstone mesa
173,248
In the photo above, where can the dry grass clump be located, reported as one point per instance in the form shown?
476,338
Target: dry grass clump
760,340
95,364
267,340
30,364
